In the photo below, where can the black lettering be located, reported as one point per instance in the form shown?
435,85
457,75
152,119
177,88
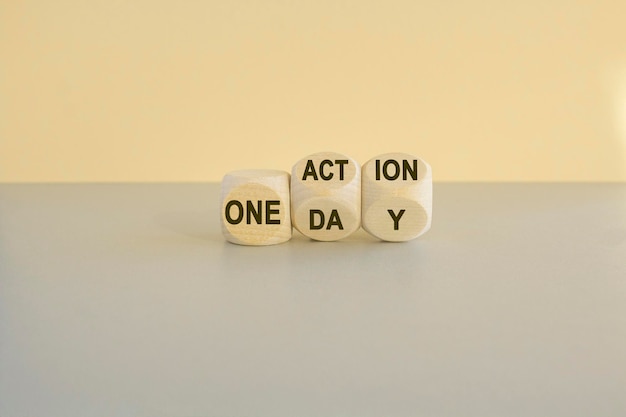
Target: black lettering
341,163
412,171
269,211
329,163
309,170
378,170
334,220
386,171
229,219
312,224
256,214
396,219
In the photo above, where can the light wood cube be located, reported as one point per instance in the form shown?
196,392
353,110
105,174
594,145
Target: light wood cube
397,192
255,207
326,196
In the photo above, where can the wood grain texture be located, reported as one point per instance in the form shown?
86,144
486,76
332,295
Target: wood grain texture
397,195
326,196
255,207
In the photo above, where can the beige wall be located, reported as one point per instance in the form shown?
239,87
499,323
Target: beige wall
163,90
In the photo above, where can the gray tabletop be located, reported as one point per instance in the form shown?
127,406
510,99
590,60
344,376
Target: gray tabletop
124,300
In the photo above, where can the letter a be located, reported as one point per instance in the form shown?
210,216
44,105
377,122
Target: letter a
334,220
309,170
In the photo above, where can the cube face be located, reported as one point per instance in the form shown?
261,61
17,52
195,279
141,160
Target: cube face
326,196
255,207
396,197
395,219
326,219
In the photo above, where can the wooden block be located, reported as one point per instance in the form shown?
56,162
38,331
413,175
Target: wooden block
255,207
326,196
397,199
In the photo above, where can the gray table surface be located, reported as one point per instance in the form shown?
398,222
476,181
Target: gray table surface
124,300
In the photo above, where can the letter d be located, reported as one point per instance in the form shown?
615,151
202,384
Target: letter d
312,225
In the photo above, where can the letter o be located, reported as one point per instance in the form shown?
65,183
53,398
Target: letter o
386,173
227,212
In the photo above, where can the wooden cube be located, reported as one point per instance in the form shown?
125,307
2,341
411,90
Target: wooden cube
397,195
255,207
326,196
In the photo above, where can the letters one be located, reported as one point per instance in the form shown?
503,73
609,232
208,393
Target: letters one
252,212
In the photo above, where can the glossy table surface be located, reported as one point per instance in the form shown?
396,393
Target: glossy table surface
124,300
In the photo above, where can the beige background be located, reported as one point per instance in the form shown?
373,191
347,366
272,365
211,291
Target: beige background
165,90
